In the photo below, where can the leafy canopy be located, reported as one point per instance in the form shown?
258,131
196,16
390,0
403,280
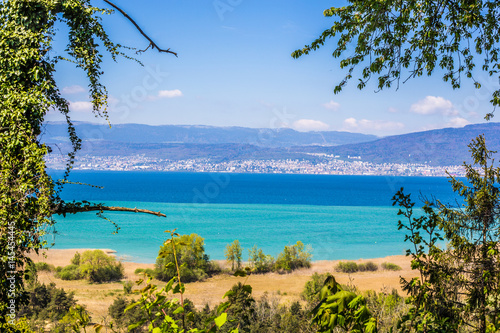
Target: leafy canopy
458,287
394,40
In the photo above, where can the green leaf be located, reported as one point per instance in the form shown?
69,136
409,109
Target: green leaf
229,293
180,309
221,320
131,306
223,306
138,324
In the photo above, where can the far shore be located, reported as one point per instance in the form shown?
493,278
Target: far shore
98,297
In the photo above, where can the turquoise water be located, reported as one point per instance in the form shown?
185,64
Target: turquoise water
334,232
352,217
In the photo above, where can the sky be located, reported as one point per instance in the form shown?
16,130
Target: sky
234,68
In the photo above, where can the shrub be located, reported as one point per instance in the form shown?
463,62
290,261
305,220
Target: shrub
127,287
70,272
76,259
260,262
294,257
190,252
97,266
313,287
367,267
43,266
138,271
390,266
347,267
123,319
47,302
94,266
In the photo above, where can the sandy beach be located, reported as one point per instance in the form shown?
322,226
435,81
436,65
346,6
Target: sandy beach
98,297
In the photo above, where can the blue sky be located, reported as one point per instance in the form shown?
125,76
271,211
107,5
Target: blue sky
234,69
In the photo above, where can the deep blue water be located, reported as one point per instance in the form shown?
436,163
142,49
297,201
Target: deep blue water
342,217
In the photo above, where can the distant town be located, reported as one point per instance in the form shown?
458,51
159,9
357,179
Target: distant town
328,165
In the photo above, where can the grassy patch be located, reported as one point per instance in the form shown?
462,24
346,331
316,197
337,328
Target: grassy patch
388,266
367,267
347,267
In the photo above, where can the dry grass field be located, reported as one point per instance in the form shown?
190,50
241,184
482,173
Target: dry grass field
98,297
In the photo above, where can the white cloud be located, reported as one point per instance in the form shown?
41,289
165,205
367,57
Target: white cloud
73,90
169,93
457,122
432,105
81,106
393,110
331,105
365,125
306,125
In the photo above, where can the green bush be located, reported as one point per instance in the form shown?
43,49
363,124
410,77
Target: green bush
76,259
313,287
294,257
367,267
47,302
139,271
95,266
70,272
123,319
260,262
347,267
390,266
190,251
43,266
127,287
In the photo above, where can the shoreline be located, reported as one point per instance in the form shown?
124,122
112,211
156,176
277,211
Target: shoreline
286,287
65,255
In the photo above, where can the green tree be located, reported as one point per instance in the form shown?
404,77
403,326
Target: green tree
97,266
190,256
28,195
458,287
394,40
233,253
260,262
294,257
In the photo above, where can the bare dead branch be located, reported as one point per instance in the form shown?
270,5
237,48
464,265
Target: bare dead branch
74,210
152,44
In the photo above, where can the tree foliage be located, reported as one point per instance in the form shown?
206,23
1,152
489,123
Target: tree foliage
259,261
93,265
294,257
190,256
28,195
399,40
458,287
233,254
343,309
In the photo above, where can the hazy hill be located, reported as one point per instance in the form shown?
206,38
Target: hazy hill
443,147
56,132
446,146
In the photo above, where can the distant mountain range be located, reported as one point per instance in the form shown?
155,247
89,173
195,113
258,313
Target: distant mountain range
440,147
145,134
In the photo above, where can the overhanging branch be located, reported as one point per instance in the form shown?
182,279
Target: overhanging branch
100,208
152,44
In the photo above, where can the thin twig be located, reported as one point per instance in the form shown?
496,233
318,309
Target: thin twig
152,44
